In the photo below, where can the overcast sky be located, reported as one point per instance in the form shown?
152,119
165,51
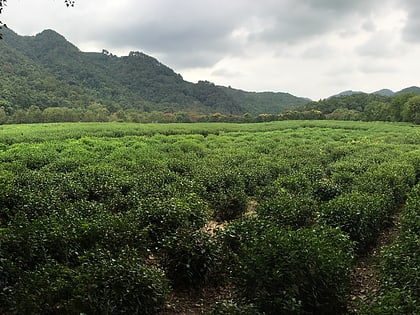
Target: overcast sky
309,48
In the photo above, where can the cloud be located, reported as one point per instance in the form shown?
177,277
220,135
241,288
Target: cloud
382,45
411,31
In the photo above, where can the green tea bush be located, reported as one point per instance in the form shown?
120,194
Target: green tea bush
296,183
400,264
391,179
192,259
413,158
289,210
393,302
305,271
48,289
164,217
233,308
260,172
361,215
343,172
224,192
326,189
123,284
66,236
410,218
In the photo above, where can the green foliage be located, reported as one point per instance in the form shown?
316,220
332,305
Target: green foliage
48,289
361,215
399,265
411,110
289,210
225,192
119,285
390,179
233,308
403,106
165,217
193,259
294,272
394,302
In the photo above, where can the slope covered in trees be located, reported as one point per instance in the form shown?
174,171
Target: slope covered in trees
402,106
47,71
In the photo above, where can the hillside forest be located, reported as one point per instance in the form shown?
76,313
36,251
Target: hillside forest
45,78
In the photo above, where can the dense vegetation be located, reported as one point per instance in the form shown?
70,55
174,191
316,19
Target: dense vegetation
110,218
46,71
403,106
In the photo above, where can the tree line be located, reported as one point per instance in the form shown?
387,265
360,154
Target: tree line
360,107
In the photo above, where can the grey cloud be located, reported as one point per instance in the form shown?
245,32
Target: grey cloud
203,29
381,45
318,51
202,33
377,68
295,21
411,31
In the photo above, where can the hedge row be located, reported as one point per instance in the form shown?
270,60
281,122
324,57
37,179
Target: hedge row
399,266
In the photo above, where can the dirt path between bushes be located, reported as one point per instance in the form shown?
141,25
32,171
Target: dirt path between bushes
365,279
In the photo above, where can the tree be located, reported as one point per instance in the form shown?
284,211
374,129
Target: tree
397,104
411,110
377,110
2,5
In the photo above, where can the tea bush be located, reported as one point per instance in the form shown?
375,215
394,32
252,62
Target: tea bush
390,179
193,259
289,210
124,284
233,308
305,271
164,217
361,215
224,192
48,289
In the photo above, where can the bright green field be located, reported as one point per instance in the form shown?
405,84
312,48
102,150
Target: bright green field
43,132
110,218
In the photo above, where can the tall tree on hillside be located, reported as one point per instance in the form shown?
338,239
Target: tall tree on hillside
411,110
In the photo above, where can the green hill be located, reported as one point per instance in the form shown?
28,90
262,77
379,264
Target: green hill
48,71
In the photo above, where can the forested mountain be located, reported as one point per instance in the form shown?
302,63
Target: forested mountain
46,70
401,106
383,92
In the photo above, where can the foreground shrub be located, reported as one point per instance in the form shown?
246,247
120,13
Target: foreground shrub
192,259
119,285
233,308
294,272
288,210
48,289
393,302
390,179
360,215
224,192
400,263
164,217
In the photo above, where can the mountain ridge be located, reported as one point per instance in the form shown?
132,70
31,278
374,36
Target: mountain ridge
53,72
382,92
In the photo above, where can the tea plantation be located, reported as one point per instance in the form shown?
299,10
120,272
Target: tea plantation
113,218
